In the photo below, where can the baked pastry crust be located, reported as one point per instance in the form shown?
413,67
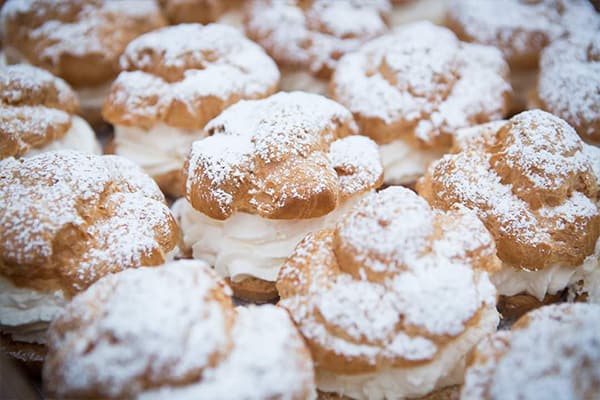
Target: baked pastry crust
533,183
169,331
420,84
71,218
550,352
569,83
520,29
36,109
395,252
185,75
81,40
312,35
202,11
280,158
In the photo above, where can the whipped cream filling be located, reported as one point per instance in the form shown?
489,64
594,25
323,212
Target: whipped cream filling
445,370
246,245
510,281
295,79
159,150
26,313
403,163
80,137
92,98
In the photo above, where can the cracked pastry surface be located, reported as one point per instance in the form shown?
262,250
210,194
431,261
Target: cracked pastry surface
37,114
550,352
534,184
423,270
172,331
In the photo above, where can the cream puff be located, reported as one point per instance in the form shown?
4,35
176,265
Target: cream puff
68,219
392,299
174,81
172,332
521,30
270,172
307,38
412,89
534,184
551,353
203,11
569,83
38,114
78,41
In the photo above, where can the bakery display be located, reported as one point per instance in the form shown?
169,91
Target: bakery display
172,332
37,114
80,41
552,352
68,219
270,172
569,83
410,91
534,184
174,81
391,300
307,38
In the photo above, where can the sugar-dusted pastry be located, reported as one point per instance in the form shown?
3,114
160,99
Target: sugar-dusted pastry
520,29
410,91
37,114
307,38
68,219
391,300
551,353
174,81
203,11
270,172
79,41
534,184
172,332
569,83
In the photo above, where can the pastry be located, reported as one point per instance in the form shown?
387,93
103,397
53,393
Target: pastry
534,184
204,11
520,29
37,114
569,83
550,353
68,219
307,38
172,332
412,89
174,81
80,41
392,299
405,11
270,172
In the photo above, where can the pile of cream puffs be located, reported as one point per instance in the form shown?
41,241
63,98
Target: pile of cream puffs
301,199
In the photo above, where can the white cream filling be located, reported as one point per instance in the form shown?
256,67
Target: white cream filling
294,79
445,370
159,150
510,281
92,98
26,313
404,163
246,245
233,17
80,137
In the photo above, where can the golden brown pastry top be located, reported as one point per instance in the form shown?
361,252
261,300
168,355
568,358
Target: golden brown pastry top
420,83
284,157
172,332
520,28
533,183
569,83
391,285
551,352
202,11
314,34
36,109
185,75
80,40
69,218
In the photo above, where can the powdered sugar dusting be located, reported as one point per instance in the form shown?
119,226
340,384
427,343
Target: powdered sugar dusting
424,79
